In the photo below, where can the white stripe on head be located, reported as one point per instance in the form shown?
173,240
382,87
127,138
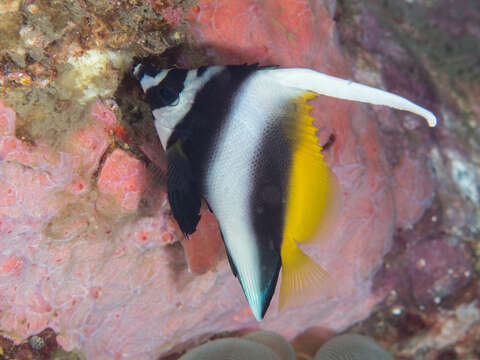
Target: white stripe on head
167,117
148,81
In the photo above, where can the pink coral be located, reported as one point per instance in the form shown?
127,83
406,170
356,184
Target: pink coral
172,16
56,254
121,183
204,248
104,115
413,191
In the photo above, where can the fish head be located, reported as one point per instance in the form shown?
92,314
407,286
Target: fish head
164,92
171,94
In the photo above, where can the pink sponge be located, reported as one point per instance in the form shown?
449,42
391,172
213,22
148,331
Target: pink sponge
121,183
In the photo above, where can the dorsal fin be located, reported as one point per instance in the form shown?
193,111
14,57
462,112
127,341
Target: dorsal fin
311,191
323,84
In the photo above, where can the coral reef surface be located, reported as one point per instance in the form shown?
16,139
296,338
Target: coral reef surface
90,257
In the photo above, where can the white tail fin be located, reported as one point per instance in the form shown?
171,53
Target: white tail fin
306,79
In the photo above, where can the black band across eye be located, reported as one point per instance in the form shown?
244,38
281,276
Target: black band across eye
167,95
160,96
168,91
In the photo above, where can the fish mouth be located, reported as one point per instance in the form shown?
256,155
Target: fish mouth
137,71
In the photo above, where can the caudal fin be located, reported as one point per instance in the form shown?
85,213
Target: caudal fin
302,278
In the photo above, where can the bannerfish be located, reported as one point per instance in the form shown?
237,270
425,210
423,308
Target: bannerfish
241,138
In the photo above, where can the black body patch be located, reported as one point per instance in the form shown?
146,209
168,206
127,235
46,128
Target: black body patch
268,202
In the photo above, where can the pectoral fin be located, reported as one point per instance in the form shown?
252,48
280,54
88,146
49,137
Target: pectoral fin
183,193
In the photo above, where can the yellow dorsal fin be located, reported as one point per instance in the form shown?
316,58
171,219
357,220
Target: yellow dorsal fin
312,194
313,191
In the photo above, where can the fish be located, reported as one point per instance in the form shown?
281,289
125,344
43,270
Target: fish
241,138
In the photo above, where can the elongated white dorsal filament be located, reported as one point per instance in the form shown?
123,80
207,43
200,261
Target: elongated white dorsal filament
324,84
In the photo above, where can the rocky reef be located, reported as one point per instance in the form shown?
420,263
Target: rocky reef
92,264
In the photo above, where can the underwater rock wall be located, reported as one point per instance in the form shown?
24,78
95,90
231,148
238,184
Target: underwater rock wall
87,244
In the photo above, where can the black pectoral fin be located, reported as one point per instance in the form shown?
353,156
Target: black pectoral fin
183,193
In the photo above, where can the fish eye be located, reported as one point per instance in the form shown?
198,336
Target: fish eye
168,96
160,96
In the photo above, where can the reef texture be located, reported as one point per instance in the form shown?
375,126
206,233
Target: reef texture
88,247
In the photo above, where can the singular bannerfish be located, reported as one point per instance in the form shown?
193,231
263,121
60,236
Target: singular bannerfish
241,138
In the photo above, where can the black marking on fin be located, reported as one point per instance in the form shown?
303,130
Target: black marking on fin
330,141
209,208
183,194
265,67
230,260
267,296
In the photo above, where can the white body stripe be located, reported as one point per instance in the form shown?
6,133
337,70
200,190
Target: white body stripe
230,176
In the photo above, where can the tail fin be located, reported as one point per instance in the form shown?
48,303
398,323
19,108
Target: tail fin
301,276
306,79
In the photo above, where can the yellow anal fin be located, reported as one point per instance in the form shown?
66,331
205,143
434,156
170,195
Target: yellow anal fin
313,194
302,278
